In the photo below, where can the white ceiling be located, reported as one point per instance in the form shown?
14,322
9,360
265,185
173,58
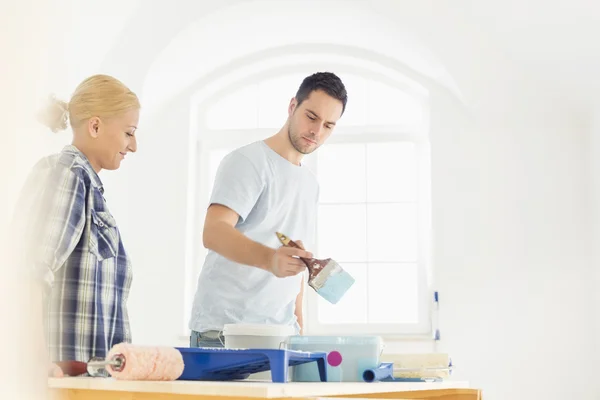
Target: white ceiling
554,42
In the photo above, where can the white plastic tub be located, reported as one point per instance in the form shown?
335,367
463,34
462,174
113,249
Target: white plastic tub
347,356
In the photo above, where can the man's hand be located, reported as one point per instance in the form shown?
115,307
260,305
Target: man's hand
221,236
285,261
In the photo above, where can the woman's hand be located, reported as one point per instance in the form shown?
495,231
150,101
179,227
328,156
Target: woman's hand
54,371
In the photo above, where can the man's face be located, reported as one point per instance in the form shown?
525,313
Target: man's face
312,122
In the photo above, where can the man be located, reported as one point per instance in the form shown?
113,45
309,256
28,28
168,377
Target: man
260,189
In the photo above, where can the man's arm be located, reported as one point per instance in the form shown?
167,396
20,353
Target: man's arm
238,186
221,236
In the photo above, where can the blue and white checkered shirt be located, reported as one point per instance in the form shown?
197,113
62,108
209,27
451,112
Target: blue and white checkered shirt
74,247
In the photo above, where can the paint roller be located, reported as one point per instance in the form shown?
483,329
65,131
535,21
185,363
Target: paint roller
421,365
130,362
326,277
411,367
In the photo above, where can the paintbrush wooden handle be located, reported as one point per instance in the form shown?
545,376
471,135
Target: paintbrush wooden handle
308,261
314,265
286,241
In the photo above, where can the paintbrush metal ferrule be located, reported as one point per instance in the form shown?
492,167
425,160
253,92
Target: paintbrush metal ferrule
318,281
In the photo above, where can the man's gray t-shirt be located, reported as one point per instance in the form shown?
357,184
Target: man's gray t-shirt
270,194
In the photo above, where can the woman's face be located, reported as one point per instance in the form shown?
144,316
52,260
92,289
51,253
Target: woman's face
113,138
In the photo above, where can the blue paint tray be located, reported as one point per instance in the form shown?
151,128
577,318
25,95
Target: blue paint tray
218,364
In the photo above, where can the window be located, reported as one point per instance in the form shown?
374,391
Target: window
369,221
373,213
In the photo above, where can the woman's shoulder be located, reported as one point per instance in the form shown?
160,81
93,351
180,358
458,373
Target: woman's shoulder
64,167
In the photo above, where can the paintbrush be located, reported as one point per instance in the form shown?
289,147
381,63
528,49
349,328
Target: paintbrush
326,277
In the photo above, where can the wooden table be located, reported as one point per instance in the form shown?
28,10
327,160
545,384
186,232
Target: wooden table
84,388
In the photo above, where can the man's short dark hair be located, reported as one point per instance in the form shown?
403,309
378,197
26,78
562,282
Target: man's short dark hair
328,82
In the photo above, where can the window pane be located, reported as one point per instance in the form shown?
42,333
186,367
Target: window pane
352,307
393,293
342,173
274,97
235,111
391,172
342,233
356,108
392,232
388,105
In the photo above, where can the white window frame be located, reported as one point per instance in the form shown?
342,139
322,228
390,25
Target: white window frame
224,139
374,134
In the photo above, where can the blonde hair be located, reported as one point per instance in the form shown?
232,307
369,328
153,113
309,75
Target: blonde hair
96,96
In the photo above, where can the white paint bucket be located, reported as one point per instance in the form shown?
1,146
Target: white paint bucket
256,336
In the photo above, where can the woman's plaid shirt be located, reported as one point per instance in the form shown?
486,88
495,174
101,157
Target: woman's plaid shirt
72,244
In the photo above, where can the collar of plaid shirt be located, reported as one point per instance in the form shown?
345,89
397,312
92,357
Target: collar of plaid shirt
75,152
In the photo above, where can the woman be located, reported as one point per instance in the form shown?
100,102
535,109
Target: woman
73,245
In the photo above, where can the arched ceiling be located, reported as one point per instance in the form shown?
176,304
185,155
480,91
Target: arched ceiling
488,48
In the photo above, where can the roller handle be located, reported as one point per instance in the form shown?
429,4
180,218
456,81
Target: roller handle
383,371
96,364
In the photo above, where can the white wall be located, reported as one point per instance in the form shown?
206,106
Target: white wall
148,196
512,252
26,38
595,185
511,248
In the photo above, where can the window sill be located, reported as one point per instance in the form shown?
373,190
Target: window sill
407,338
